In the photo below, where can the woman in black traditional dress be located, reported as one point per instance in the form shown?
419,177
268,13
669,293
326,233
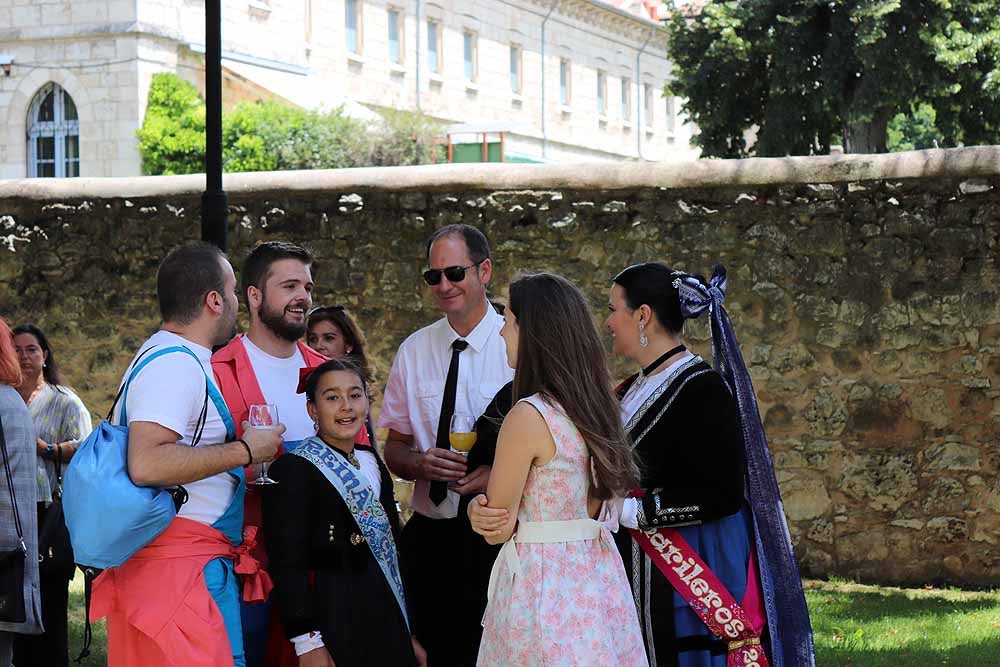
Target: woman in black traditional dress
331,527
706,480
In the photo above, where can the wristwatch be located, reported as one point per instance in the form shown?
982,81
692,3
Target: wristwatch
50,449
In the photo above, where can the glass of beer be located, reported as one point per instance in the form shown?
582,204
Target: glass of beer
462,434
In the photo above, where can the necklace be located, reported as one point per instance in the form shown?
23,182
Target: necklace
351,457
640,380
34,393
659,360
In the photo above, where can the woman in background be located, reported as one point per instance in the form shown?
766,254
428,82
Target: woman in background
61,421
332,331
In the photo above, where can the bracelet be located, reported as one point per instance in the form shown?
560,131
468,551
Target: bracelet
247,447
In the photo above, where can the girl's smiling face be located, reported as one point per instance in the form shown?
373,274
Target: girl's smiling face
340,405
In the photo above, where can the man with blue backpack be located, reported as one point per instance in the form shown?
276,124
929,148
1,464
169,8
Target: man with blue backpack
176,600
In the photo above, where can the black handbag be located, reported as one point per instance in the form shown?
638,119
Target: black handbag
12,561
55,551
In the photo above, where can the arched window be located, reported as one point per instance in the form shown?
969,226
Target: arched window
53,134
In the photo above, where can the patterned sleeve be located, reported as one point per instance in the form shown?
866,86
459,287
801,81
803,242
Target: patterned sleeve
76,422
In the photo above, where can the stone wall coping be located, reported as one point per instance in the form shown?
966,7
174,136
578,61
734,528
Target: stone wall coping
951,163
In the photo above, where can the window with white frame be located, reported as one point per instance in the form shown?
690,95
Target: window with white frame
434,46
352,25
395,22
516,80
565,82
671,114
647,93
626,100
53,134
470,55
602,92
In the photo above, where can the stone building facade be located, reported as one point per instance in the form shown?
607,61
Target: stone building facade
561,79
863,289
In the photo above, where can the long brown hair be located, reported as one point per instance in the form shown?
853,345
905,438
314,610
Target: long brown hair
560,357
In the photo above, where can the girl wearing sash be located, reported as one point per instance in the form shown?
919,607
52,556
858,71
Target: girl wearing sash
331,527
558,593
706,583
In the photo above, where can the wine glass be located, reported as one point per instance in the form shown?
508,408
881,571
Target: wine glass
263,416
462,433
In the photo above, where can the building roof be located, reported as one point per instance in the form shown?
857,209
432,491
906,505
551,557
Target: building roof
647,9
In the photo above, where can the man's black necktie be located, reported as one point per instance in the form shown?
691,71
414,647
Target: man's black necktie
439,490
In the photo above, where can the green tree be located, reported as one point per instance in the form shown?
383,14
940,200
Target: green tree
803,72
915,130
271,136
404,138
172,136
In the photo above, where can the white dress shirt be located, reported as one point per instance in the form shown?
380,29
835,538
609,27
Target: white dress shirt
415,389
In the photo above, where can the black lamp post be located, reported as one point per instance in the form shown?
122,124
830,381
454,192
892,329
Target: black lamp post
213,200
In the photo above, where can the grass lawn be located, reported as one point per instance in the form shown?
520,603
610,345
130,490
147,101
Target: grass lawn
873,626
863,626
98,652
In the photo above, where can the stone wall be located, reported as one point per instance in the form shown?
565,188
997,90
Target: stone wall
863,290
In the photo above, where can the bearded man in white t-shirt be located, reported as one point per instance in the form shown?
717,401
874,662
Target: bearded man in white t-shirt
179,437
263,366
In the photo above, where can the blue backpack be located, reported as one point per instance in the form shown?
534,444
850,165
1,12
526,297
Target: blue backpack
109,518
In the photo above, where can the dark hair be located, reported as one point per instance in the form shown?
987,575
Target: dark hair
560,357
50,371
353,336
475,241
10,369
341,364
652,283
185,276
257,265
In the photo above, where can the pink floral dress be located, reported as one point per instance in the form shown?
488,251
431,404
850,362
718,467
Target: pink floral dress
571,603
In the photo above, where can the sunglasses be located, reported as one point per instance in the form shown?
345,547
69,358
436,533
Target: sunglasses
454,274
324,309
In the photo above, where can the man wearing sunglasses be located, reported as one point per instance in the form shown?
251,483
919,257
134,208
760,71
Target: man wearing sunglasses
453,366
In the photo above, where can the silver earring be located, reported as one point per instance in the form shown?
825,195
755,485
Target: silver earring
643,341
316,425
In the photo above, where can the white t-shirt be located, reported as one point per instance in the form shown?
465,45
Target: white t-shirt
415,389
278,379
170,391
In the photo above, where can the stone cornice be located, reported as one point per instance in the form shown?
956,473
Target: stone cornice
606,17
954,163
593,13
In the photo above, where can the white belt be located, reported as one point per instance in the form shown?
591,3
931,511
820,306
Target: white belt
539,532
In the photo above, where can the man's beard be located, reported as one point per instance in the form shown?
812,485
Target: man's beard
275,321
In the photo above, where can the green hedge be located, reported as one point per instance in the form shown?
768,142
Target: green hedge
271,136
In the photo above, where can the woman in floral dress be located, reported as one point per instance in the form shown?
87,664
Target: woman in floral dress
558,593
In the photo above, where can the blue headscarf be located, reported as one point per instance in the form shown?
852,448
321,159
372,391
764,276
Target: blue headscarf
784,600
